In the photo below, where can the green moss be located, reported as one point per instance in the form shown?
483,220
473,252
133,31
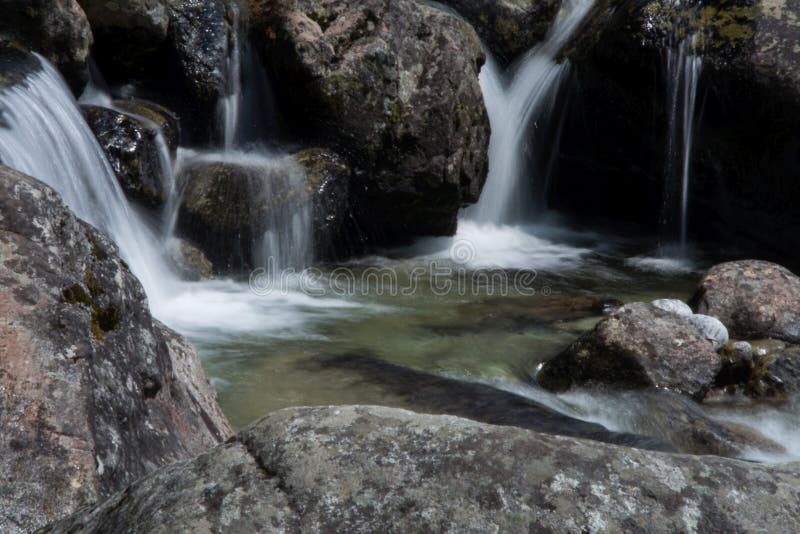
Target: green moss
75,294
91,283
30,12
98,252
104,320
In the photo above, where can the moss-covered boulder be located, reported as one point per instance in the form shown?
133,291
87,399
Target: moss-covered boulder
394,87
56,29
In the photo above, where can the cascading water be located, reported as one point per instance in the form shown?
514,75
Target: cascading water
514,100
44,135
683,73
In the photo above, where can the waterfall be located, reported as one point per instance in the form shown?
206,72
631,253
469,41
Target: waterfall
683,73
44,135
515,100
230,104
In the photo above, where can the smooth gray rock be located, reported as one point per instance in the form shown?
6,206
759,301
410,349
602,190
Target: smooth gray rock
371,469
94,393
711,328
678,307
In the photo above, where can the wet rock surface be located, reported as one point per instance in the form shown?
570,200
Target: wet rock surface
132,145
394,87
381,469
754,299
329,179
166,121
94,393
637,346
56,29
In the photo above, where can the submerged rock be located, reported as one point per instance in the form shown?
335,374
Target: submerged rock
394,86
131,144
378,469
508,28
754,299
637,346
56,29
94,393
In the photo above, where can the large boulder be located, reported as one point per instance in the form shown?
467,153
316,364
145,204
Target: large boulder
127,31
508,28
754,299
742,188
135,150
228,206
635,347
370,469
394,86
94,393
56,29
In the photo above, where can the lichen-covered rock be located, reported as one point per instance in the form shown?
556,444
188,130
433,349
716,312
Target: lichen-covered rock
94,393
328,180
136,154
394,86
754,299
127,31
370,469
710,328
56,29
508,28
635,347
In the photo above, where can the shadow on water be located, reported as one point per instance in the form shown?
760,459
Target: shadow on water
429,393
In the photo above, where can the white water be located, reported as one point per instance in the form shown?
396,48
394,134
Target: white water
515,100
230,105
683,73
46,137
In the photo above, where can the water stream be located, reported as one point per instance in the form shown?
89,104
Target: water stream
302,339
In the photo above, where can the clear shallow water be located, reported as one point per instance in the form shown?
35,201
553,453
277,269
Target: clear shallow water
266,350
